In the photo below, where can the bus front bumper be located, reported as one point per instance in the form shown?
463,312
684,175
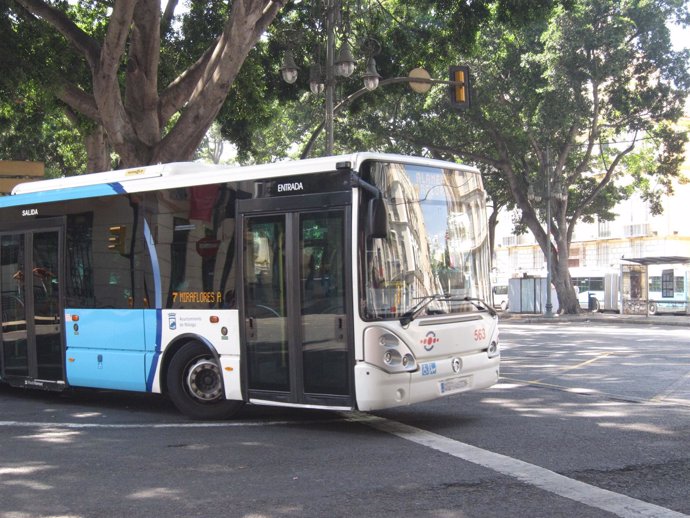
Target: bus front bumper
377,389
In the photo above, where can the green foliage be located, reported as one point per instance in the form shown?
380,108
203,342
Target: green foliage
655,166
32,128
61,48
571,86
535,67
33,124
400,35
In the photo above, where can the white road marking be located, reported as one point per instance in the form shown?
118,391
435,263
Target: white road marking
545,479
224,424
615,503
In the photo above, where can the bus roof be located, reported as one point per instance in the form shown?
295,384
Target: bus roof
185,174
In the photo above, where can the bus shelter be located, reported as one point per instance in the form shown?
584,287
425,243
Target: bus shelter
528,295
669,293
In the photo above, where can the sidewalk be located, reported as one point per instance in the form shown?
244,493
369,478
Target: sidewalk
600,318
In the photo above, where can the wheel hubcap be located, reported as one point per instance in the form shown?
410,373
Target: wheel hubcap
204,380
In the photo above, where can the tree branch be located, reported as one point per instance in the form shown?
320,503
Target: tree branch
116,36
141,94
106,85
593,135
247,21
178,92
79,101
577,213
81,41
166,20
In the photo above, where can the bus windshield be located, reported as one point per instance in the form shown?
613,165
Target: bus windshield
437,243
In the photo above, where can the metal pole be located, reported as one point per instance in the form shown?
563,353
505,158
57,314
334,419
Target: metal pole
549,306
330,79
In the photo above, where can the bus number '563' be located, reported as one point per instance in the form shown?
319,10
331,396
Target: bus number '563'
479,334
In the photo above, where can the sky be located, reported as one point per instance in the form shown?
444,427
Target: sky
680,37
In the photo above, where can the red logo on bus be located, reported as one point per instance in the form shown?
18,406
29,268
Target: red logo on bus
429,341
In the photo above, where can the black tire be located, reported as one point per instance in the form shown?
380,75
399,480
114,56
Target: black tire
652,308
596,305
195,384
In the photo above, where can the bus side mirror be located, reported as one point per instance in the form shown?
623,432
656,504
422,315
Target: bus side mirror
377,219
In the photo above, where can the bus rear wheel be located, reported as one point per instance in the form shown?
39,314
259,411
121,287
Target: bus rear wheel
195,384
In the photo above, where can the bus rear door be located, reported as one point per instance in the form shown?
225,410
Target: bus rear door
30,282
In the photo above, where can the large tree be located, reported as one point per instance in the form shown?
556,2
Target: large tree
564,95
399,35
108,69
411,34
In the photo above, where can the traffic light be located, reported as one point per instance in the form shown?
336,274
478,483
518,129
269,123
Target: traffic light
460,93
117,239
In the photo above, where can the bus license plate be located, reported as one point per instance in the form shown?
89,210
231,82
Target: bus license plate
428,369
454,384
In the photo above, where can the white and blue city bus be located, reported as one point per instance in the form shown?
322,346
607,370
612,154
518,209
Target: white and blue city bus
668,288
349,282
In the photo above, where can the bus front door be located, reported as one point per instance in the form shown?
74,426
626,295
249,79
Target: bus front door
295,269
32,346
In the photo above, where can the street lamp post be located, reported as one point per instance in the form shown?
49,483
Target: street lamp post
344,65
324,79
330,75
549,305
419,80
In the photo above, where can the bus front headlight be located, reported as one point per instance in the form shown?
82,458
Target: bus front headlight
407,361
387,351
493,350
389,340
391,358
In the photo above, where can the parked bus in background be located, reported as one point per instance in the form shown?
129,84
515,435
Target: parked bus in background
350,282
668,289
597,289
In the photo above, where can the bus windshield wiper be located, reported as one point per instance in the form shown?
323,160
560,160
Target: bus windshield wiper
484,306
414,311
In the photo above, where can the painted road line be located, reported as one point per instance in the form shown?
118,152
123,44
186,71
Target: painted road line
228,424
545,479
679,387
563,370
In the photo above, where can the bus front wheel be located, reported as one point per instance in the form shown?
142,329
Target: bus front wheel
195,384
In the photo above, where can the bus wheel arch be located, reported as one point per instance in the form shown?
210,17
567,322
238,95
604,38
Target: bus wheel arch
194,382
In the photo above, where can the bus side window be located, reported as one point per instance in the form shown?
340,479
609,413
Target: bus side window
120,254
194,237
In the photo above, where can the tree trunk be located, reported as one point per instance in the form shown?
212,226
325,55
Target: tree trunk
127,101
97,151
493,221
560,275
560,278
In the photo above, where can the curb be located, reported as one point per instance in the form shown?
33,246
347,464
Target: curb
599,318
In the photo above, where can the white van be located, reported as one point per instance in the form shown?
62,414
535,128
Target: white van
500,295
